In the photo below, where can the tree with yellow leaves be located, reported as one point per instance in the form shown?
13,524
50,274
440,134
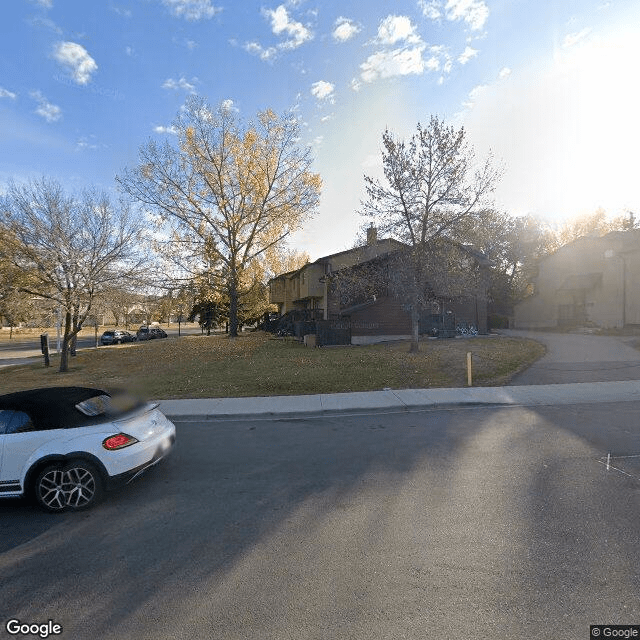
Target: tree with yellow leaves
594,224
231,192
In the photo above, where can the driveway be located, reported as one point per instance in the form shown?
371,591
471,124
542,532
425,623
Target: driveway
578,357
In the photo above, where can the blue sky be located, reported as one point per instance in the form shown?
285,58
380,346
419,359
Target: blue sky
552,88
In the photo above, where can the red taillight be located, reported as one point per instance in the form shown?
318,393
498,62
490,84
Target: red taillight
119,441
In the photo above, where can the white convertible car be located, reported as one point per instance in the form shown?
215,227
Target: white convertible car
65,446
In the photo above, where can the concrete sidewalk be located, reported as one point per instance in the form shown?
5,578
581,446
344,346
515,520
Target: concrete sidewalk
400,400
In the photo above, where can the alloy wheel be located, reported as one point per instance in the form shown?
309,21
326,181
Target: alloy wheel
79,487
51,489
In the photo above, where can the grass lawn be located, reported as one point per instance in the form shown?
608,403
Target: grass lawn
256,364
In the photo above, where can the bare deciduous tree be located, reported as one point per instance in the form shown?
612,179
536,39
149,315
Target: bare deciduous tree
71,247
432,190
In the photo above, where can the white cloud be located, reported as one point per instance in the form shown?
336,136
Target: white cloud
125,13
395,28
474,12
281,23
192,9
182,83
257,49
45,4
430,9
228,105
171,130
467,55
40,21
345,29
573,38
5,93
407,59
504,72
77,60
50,112
322,90
474,95
410,60
397,62
86,143
432,64
441,54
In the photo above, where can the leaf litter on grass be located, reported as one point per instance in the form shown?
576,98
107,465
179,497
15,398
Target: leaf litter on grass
256,364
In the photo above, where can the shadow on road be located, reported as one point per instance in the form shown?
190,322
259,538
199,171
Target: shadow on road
255,523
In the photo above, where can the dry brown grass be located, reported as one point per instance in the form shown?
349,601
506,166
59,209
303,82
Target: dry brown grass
256,364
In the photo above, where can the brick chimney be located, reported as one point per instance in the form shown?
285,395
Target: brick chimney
372,235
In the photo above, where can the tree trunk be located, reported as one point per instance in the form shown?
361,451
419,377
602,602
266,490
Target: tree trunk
233,308
64,353
415,331
73,341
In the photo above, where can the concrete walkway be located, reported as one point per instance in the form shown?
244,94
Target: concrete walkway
580,357
399,400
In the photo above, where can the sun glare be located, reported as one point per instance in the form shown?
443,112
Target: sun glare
596,158
566,129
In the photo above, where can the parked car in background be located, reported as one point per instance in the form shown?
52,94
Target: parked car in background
64,446
150,333
116,337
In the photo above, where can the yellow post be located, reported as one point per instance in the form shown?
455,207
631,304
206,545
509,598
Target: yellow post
469,378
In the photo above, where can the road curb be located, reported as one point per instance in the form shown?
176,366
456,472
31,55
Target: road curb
297,407
323,413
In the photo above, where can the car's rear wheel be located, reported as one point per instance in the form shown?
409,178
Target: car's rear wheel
75,486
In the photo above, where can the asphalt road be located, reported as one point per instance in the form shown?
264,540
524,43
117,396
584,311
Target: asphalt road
17,351
29,346
471,523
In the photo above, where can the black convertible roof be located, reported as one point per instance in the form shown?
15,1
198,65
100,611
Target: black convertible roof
52,407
